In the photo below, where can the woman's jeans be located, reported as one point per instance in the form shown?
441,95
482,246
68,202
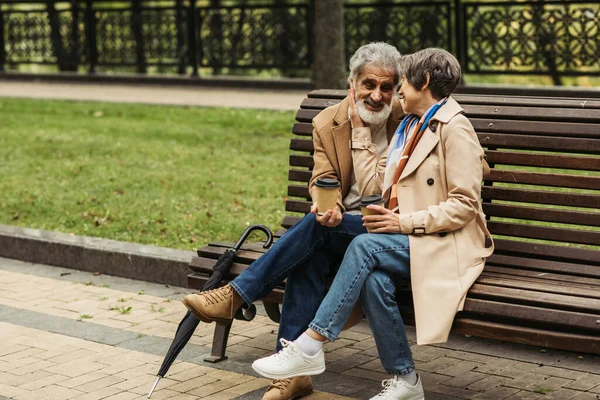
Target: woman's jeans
304,255
370,266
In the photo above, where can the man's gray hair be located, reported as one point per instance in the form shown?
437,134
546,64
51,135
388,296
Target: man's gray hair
441,66
377,54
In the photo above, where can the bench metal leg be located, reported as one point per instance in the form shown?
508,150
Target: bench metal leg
219,345
272,310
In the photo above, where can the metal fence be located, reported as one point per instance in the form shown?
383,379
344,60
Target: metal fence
525,37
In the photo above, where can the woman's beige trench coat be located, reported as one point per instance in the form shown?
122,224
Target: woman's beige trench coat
439,195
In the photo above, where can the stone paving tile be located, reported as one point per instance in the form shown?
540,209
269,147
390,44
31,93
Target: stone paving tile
586,382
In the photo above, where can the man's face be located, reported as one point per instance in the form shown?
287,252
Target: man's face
374,89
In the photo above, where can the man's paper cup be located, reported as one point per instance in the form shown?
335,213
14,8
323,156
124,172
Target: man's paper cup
326,194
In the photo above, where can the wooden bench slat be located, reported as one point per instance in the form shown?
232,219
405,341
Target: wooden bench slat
297,160
563,161
541,214
299,176
563,235
318,104
546,279
306,115
539,287
298,191
538,128
540,196
546,179
302,129
302,145
297,206
338,94
543,317
529,336
541,143
526,101
533,113
289,221
550,252
561,301
534,266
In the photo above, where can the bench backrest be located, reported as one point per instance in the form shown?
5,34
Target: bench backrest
543,196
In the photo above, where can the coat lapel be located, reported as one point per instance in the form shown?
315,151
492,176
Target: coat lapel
342,134
427,143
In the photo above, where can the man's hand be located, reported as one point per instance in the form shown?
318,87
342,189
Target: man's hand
331,218
357,121
386,222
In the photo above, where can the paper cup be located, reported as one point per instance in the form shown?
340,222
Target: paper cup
326,191
367,201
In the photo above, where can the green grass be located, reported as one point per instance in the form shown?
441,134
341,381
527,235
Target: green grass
167,176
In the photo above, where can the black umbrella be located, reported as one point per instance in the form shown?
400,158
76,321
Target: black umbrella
188,324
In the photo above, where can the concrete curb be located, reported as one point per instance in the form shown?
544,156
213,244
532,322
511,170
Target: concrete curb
217,81
110,257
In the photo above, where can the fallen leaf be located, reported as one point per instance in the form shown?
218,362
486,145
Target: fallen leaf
98,114
96,273
15,216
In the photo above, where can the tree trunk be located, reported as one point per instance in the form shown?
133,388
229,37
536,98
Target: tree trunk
329,67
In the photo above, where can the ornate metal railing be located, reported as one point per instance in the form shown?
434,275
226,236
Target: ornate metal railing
555,37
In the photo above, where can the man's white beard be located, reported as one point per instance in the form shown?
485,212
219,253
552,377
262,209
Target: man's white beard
373,117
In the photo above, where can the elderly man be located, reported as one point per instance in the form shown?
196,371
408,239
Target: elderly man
350,141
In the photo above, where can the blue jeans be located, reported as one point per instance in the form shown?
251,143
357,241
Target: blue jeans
304,255
368,272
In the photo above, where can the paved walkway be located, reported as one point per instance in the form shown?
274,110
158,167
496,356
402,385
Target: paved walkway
67,334
153,94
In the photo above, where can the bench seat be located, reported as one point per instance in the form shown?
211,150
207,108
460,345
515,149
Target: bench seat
542,199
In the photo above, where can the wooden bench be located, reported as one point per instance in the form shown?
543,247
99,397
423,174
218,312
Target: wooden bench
542,285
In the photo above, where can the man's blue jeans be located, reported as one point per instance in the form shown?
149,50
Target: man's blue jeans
370,266
304,255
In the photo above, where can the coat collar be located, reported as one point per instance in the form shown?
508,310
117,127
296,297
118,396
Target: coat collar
448,111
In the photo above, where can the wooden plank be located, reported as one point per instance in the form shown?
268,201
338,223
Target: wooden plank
547,252
538,287
564,161
306,115
540,196
529,336
243,256
318,104
545,179
537,142
299,176
573,270
563,235
338,94
541,214
302,129
544,114
302,145
538,128
492,100
298,191
298,206
542,317
528,297
289,221
543,278
301,161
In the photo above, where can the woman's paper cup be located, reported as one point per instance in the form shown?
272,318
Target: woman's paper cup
374,199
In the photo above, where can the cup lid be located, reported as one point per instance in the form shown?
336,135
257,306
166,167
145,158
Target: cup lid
327,183
372,199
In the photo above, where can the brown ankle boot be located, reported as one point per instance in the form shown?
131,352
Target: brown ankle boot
289,388
217,305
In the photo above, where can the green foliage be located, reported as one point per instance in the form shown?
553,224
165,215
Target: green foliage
85,316
168,176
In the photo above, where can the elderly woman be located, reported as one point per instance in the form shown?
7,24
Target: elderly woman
432,232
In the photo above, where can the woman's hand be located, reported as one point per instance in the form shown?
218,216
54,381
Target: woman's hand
330,219
386,222
357,121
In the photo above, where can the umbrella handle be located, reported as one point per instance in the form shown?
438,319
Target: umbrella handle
247,233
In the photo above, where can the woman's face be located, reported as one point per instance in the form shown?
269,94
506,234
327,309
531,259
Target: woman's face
410,97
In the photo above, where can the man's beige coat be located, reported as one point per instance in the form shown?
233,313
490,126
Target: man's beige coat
439,196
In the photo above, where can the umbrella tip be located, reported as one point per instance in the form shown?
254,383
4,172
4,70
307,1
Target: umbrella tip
154,387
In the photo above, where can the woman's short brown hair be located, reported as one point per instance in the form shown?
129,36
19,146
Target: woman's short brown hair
441,66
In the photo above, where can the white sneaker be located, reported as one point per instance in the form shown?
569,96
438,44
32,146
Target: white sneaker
290,362
397,389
